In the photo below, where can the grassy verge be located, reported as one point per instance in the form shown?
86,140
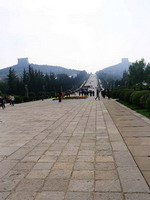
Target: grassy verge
142,111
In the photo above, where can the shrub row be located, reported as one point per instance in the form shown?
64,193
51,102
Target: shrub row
138,98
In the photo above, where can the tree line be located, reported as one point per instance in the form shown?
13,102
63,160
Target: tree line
35,83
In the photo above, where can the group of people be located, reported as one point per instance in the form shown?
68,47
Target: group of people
86,93
11,100
104,93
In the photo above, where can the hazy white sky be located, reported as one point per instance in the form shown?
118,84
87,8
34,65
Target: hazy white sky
80,34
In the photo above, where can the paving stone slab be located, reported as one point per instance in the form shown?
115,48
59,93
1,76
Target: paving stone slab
62,166
3,195
143,162
104,159
47,158
24,166
50,195
132,180
84,166
108,196
124,159
27,185
147,176
140,150
83,175
22,196
107,186
67,158
10,181
39,174
106,175
60,174
104,166
81,185
79,196
56,185
138,196
85,158
43,166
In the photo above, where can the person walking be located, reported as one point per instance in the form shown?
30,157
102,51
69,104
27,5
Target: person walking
97,94
12,99
108,94
2,102
59,96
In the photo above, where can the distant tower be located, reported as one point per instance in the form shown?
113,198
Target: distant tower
125,60
23,62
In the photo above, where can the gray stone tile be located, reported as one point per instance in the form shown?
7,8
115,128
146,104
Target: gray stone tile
119,146
106,175
138,196
104,159
60,174
62,166
24,166
30,185
50,195
81,185
53,153
10,181
85,158
43,166
84,166
83,175
140,150
47,158
3,195
124,159
104,166
79,196
56,185
147,176
67,158
39,174
85,152
107,186
108,196
31,159
143,162
132,180
22,196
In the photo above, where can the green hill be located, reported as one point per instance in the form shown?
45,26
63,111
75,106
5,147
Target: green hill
24,64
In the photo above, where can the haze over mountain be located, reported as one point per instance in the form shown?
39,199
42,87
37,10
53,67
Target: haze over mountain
24,64
115,71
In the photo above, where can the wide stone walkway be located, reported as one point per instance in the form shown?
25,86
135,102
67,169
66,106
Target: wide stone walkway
66,151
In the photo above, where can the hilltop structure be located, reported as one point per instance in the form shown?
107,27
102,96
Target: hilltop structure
23,62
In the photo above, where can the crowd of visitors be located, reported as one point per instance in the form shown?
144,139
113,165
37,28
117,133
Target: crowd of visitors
10,100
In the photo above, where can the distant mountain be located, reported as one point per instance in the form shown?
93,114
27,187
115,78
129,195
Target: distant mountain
116,71
24,64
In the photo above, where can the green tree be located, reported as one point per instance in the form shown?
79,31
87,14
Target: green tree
147,73
125,79
12,81
136,72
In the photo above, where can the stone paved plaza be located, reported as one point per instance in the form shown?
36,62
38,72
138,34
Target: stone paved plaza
73,150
